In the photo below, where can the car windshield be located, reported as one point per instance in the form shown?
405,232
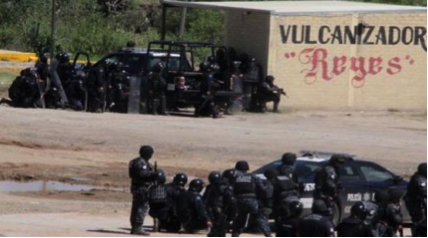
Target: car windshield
174,63
302,168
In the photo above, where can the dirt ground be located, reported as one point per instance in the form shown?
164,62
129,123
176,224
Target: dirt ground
94,149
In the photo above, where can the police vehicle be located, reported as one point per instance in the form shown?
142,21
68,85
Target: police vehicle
360,180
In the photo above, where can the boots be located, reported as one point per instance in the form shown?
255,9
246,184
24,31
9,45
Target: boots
139,230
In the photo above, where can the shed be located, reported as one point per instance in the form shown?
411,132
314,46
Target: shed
333,54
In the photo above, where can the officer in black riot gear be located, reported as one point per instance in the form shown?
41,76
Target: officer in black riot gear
317,224
191,210
230,176
269,92
76,93
64,68
266,197
161,205
209,86
376,214
327,184
354,225
416,198
42,67
119,88
287,167
157,86
393,215
421,229
287,218
176,188
245,188
142,176
220,203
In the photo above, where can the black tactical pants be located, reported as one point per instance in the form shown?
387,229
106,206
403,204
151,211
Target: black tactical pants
415,211
248,207
220,223
140,207
166,219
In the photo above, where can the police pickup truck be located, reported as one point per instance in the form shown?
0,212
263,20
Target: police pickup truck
360,180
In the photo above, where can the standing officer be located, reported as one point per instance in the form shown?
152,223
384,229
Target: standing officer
209,86
157,86
354,225
317,224
245,188
191,209
416,198
142,176
220,203
327,182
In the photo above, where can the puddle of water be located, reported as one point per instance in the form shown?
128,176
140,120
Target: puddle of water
41,186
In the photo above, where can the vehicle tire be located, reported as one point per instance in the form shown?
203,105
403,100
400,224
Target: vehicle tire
336,215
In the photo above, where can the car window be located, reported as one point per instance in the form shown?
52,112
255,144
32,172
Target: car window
375,173
134,63
305,169
349,173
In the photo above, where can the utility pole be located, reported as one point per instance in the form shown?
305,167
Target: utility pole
53,21
182,22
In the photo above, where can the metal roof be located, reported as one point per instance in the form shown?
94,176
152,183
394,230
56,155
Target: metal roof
299,7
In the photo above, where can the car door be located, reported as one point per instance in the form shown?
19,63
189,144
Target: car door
351,181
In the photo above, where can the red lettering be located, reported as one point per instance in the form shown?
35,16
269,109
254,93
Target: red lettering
318,60
357,65
394,66
375,65
339,65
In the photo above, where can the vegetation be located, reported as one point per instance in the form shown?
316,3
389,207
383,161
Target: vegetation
101,26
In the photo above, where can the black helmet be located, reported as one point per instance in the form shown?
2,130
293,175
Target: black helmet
158,67
382,197
196,185
230,175
270,78
204,66
43,58
146,152
180,179
289,159
319,207
211,59
160,177
270,174
295,208
64,58
359,210
395,195
422,169
242,166
337,160
214,177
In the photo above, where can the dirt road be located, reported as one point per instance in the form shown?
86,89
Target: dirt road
94,149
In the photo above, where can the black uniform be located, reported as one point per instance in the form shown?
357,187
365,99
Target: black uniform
354,227
269,92
245,189
421,229
316,225
157,87
221,206
327,182
287,219
209,86
162,208
191,211
417,195
393,215
76,94
24,91
142,176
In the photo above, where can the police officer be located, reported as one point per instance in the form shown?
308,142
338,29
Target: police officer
142,176
421,229
157,86
119,85
376,215
317,224
209,86
76,93
191,210
354,225
267,197
64,68
327,182
24,91
245,188
270,93
42,67
230,176
56,80
393,215
417,196
161,205
176,188
220,203
287,168
287,219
